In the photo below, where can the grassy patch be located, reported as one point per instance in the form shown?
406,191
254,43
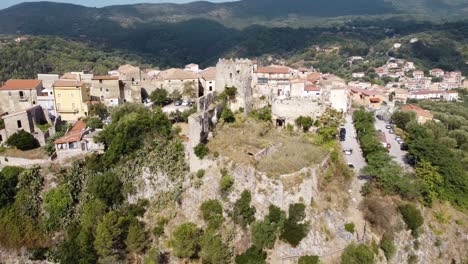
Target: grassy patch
245,138
37,153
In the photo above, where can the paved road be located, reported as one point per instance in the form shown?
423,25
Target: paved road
356,157
395,151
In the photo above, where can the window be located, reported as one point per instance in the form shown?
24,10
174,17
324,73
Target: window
238,71
100,89
21,94
18,122
1,138
230,75
9,93
34,102
211,88
100,81
107,90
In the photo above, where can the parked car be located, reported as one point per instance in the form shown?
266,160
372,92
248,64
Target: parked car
388,126
351,166
187,102
379,117
348,151
178,103
391,131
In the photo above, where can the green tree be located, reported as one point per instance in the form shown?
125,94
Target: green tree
22,140
99,110
212,213
213,249
304,122
8,182
430,181
309,260
159,96
262,114
175,95
228,94
253,255
361,254
57,205
189,90
108,235
264,234
243,214
186,240
201,150
137,238
412,217
227,115
93,122
107,187
293,231
402,118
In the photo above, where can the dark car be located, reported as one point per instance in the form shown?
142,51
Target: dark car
379,117
178,103
342,131
404,146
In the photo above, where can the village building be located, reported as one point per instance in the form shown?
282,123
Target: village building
71,99
192,67
446,95
48,80
439,73
422,116
401,95
79,140
33,120
418,74
182,81
358,74
208,80
275,79
129,73
107,89
18,95
285,110
368,98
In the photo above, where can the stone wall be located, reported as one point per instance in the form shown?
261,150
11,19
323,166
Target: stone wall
288,109
11,100
20,162
237,73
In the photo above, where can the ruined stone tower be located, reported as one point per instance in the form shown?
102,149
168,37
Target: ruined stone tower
237,73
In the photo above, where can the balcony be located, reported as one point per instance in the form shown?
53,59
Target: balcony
65,110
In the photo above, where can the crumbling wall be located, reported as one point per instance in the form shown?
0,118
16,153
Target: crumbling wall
288,109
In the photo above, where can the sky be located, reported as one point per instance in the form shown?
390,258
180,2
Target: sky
98,3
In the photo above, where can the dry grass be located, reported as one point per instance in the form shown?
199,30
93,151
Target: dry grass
38,153
243,139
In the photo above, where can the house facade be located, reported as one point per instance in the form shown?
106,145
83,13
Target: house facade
107,89
71,98
422,116
18,95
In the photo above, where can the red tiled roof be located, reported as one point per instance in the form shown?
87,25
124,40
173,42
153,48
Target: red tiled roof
273,70
374,100
67,83
312,88
74,135
365,92
105,77
313,77
418,110
21,85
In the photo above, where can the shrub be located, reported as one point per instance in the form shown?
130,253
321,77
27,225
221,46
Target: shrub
137,238
93,122
186,240
107,187
349,227
293,232
213,249
8,181
201,150
227,115
212,213
243,214
361,254
253,255
22,140
309,260
412,217
2,124
229,93
262,114
200,173
159,96
388,246
226,183
57,205
276,216
264,234
304,122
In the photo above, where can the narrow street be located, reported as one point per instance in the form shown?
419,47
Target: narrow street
350,142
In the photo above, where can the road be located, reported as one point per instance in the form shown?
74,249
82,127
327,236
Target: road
172,108
350,142
395,152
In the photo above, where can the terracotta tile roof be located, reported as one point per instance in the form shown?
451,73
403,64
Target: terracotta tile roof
365,92
74,134
21,85
177,74
374,100
313,77
69,76
67,83
312,88
418,110
104,77
209,73
273,70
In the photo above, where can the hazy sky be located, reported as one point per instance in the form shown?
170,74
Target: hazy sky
98,3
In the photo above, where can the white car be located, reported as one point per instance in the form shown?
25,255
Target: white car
347,151
186,102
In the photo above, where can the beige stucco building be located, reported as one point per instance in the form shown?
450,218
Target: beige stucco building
107,89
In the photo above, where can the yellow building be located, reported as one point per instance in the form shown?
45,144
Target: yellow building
71,98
